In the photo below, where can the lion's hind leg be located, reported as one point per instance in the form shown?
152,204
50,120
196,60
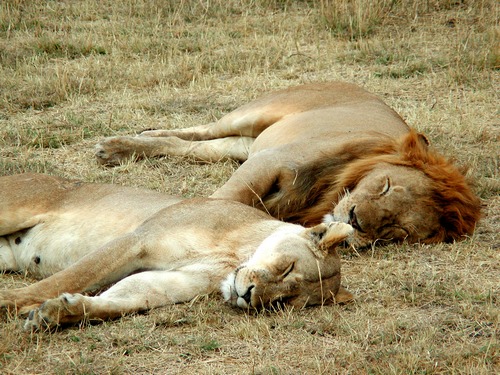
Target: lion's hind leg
138,292
246,121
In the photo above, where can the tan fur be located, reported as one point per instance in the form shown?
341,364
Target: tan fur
158,250
317,148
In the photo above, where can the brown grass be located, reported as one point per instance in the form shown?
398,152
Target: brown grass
73,72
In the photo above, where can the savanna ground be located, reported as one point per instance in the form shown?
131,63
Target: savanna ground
72,72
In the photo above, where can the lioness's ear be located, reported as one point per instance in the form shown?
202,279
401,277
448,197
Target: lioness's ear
326,235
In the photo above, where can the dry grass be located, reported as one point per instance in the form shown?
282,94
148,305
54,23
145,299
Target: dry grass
72,72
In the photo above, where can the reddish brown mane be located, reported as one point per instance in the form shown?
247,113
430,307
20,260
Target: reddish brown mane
319,185
458,207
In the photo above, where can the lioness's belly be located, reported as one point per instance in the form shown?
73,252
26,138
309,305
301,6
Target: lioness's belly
50,247
85,223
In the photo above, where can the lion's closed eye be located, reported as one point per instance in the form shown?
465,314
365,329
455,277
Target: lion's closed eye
386,187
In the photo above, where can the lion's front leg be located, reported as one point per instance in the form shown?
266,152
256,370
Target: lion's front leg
195,133
253,181
115,150
112,151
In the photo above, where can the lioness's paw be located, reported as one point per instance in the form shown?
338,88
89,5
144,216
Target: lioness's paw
8,299
341,229
67,308
114,150
4,300
12,300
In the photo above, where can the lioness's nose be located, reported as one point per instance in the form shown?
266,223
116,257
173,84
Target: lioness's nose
248,295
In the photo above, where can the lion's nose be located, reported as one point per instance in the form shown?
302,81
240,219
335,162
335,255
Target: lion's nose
353,219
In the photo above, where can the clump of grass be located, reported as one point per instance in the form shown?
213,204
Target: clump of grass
357,19
354,18
210,345
474,53
54,48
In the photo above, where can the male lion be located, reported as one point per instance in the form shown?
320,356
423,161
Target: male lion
311,149
158,249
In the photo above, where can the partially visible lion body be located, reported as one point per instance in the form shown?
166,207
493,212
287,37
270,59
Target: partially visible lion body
326,148
158,249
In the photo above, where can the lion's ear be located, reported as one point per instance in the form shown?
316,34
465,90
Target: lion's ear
326,235
423,139
415,146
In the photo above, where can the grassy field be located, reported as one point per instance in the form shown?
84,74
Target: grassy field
73,72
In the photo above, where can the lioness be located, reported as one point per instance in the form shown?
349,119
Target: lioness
326,148
159,249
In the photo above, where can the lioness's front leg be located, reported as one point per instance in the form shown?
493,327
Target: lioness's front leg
139,292
99,268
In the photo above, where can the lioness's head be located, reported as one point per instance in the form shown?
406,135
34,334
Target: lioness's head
296,266
411,194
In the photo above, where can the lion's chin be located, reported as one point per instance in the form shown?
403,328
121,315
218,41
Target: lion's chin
331,218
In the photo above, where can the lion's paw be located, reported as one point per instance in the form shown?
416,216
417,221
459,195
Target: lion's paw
67,308
14,300
338,226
